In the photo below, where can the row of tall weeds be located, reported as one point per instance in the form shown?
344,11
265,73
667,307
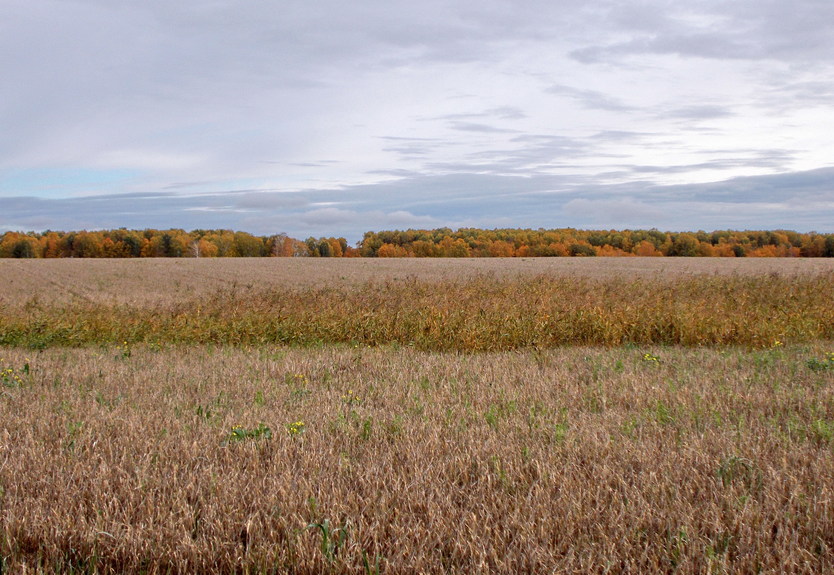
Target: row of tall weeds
484,313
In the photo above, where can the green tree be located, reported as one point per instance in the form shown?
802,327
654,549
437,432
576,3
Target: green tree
829,247
684,245
325,249
582,250
23,249
248,246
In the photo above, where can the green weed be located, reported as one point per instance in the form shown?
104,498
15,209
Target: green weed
663,414
824,364
12,377
369,569
498,411
560,431
333,539
240,433
822,430
735,469
123,350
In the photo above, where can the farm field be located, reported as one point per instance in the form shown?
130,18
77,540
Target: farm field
402,416
164,279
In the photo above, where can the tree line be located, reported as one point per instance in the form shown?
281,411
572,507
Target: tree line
474,242
175,243
442,242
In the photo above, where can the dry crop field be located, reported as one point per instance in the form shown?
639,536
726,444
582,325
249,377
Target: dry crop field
490,416
154,279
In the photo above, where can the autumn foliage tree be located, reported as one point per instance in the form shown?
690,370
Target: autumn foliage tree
565,242
440,242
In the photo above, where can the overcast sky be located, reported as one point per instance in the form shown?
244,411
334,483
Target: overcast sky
334,118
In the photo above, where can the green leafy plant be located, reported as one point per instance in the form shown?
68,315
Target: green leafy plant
719,546
676,543
298,385
825,364
204,412
663,414
123,350
240,433
296,380
367,567
739,469
332,538
74,429
211,409
367,428
351,398
560,431
822,430
491,416
394,427
498,411
11,377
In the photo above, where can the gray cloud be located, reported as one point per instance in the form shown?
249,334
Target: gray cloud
800,201
500,112
590,98
775,160
744,30
478,127
410,147
627,212
699,112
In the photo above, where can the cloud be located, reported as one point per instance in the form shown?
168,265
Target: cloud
590,98
626,212
773,160
477,127
699,112
410,147
800,201
744,30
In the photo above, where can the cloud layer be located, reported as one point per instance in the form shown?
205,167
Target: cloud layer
338,118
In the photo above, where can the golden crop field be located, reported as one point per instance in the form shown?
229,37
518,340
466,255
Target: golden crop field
434,416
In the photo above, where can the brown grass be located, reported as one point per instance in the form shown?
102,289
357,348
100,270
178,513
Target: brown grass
577,460
152,281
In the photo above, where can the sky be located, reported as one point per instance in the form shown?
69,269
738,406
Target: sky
333,118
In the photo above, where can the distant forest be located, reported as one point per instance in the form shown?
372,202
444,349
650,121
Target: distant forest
443,242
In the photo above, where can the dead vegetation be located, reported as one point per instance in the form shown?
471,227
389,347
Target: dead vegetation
345,460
